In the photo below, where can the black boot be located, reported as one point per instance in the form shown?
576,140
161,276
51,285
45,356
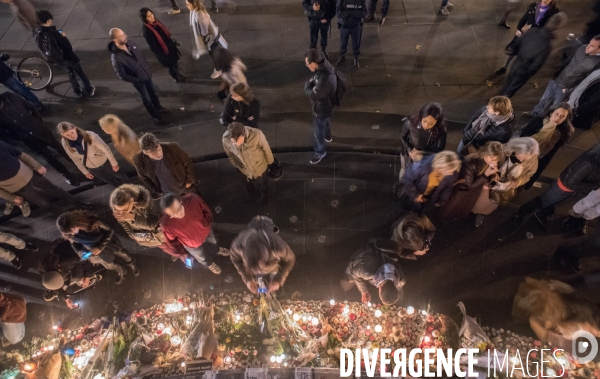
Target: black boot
569,224
31,246
17,263
120,270
583,227
340,60
325,54
135,270
356,65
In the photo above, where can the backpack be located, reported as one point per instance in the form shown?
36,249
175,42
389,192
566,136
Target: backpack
340,88
48,46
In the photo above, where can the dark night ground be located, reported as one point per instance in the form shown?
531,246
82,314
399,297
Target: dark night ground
455,56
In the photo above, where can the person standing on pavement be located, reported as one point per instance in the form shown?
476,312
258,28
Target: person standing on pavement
161,43
91,154
17,243
423,134
259,252
70,60
24,12
320,90
350,14
446,8
23,120
230,68
131,66
580,177
319,13
164,167
207,38
585,60
94,240
9,80
248,151
22,181
123,138
532,51
187,226
373,7
584,210
241,106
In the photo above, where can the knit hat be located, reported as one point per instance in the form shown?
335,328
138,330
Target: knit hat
53,280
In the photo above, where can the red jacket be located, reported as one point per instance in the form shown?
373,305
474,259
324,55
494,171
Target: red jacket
192,229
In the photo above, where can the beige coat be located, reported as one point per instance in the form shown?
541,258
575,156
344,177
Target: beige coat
253,157
97,154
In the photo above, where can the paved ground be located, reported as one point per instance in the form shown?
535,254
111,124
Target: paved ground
325,212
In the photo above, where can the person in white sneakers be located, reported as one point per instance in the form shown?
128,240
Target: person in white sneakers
17,243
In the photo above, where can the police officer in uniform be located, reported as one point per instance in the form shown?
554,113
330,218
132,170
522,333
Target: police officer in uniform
320,13
384,10
351,14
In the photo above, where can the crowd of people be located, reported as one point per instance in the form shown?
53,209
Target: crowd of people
493,162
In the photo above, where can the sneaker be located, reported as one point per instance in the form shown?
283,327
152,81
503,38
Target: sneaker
528,114
444,11
369,18
382,21
157,120
78,93
340,60
214,10
583,228
163,110
328,138
17,264
31,246
71,180
543,220
317,158
174,11
479,219
504,25
49,295
8,208
92,92
214,268
174,258
569,224
356,65
135,270
224,252
181,79
120,274
450,6
216,74
25,209
500,71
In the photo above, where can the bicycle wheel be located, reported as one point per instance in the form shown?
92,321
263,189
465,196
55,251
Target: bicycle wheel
35,73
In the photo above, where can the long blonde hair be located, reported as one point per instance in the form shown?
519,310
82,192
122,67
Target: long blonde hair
119,132
65,126
197,5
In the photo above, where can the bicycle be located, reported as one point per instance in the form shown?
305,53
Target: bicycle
35,73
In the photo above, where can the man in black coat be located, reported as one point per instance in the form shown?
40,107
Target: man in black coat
131,66
351,14
320,13
581,176
23,121
376,264
533,50
70,60
320,90
9,80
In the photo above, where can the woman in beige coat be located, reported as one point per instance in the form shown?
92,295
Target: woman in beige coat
91,155
123,138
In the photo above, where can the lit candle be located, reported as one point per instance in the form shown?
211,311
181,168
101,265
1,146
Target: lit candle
182,364
227,359
378,328
315,321
278,359
332,302
424,313
238,318
160,326
296,317
410,310
550,372
426,338
377,313
273,358
175,340
304,318
369,304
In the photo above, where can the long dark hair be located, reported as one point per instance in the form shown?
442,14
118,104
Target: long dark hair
82,219
143,12
223,60
434,110
242,89
260,245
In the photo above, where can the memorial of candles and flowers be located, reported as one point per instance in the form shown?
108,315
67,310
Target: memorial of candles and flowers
240,332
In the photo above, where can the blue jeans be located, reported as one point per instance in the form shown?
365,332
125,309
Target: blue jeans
444,3
322,131
149,97
200,252
384,7
552,96
461,146
546,202
16,86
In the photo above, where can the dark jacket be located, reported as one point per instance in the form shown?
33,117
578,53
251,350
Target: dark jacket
588,109
175,157
583,174
144,229
63,42
167,60
579,66
416,178
529,17
98,238
350,13
239,111
415,137
131,67
367,260
406,248
327,10
320,89
5,72
22,119
500,132
533,50
64,259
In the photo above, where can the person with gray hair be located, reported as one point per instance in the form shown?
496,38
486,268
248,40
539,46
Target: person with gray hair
581,176
259,252
131,66
520,164
532,51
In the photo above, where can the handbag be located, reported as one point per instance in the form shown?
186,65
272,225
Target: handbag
275,169
501,194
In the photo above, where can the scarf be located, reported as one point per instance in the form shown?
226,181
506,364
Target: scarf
77,144
487,118
545,134
157,35
387,272
540,11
